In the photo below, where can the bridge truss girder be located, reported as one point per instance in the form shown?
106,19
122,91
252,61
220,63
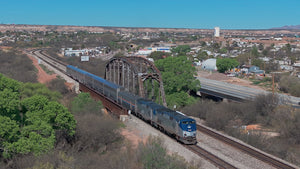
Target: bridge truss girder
132,73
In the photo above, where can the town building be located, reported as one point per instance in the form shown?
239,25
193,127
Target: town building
217,32
209,64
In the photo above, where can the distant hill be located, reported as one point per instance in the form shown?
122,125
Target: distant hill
288,27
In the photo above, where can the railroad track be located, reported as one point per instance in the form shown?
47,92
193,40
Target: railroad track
194,148
50,60
210,157
253,152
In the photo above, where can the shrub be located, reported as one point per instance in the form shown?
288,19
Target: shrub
199,109
290,84
17,66
265,106
58,85
287,122
220,116
94,132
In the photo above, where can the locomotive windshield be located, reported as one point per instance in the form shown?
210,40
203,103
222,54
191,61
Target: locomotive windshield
188,125
188,122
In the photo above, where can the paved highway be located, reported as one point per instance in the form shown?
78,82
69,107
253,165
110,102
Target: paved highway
239,93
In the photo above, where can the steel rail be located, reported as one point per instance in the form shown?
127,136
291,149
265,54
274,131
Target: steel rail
51,61
249,150
218,162
194,148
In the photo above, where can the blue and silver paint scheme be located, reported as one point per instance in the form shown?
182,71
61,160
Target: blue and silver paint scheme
174,123
188,131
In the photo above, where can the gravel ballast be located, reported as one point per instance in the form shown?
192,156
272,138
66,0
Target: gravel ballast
232,155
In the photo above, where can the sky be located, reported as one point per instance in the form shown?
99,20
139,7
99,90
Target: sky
199,14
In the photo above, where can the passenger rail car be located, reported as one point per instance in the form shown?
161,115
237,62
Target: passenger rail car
173,123
92,81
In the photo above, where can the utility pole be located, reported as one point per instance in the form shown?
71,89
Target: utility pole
273,83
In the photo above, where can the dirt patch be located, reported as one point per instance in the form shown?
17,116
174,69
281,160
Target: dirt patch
133,137
70,86
43,77
213,75
5,48
232,80
243,82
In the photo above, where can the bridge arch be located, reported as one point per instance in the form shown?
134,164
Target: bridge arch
137,75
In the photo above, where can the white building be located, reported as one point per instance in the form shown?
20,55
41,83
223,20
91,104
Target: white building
162,49
217,32
71,52
209,64
144,52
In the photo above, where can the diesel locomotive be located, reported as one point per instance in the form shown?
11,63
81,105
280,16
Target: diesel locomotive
169,121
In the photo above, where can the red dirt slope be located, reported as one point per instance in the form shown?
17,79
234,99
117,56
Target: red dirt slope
43,77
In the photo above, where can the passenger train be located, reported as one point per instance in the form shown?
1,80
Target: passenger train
173,123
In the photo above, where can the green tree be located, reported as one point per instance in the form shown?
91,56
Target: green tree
158,55
51,112
29,125
202,56
9,130
215,46
9,103
83,103
226,64
203,43
178,76
223,50
258,62
193,37
9,97
288,48
113,45
31,89
254,52
265,52
181,49
180,99
261,47
31,143
7,83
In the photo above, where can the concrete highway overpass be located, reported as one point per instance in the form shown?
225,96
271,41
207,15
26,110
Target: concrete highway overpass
229,91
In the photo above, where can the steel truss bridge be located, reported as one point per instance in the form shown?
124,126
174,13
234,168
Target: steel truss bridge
137,75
